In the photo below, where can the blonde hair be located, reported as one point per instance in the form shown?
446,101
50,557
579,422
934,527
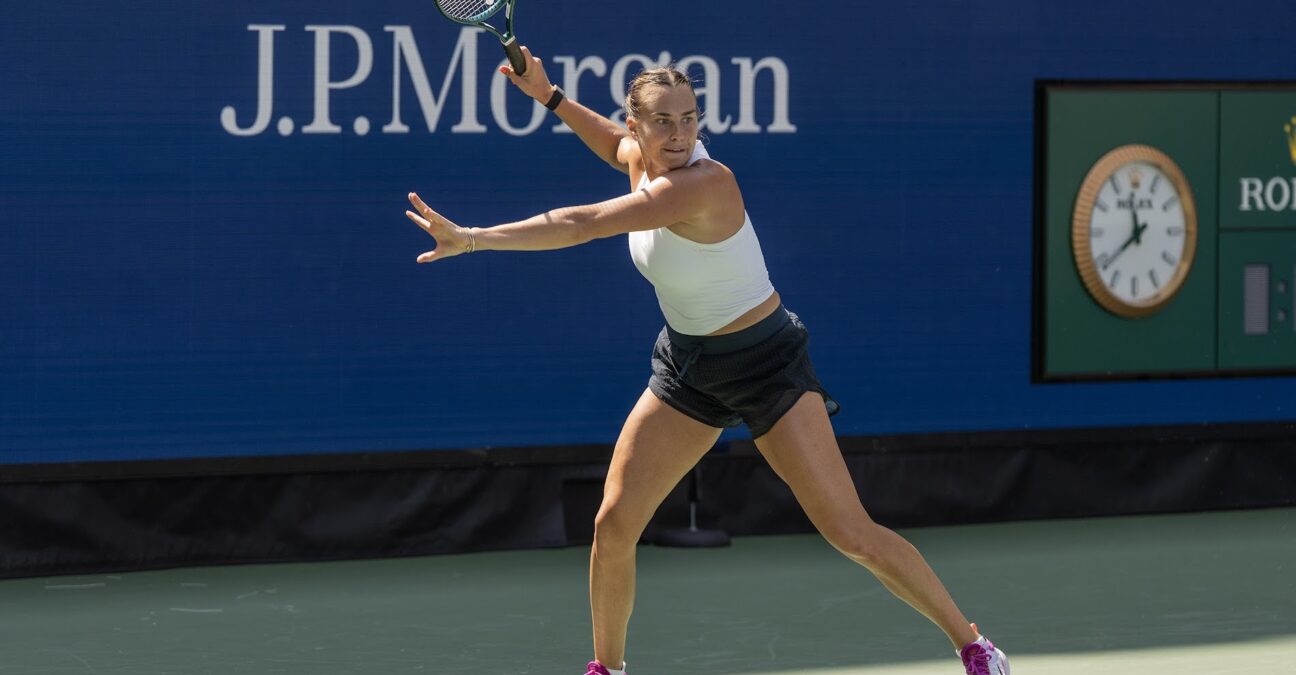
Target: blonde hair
667,76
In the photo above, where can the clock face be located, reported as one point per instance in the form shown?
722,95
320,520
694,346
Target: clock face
1134,231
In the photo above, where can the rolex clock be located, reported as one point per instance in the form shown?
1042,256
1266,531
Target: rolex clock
1134,230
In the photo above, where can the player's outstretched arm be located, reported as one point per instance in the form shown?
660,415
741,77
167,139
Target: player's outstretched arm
600,134
685,195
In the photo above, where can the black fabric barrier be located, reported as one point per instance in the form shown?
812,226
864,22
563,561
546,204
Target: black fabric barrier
500,501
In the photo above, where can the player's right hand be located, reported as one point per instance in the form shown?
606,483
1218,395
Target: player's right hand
451,240
535,83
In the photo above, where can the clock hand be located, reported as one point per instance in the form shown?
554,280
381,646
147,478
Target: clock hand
1133,238
1117,254
1138,229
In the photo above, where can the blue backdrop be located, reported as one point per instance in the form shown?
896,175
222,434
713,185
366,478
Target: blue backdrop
181,281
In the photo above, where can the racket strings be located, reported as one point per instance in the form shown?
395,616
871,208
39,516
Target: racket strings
469,10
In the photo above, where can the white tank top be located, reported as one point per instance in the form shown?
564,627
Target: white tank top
702,287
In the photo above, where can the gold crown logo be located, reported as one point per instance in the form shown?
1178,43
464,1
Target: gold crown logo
1135,177
1291,137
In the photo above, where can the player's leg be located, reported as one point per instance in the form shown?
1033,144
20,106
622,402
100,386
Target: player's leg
802,449
657,447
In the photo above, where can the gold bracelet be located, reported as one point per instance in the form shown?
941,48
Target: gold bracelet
472,240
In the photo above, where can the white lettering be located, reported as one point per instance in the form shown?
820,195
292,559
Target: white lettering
708,93
1251,188
571,79
323,85
1277,204
747,96
265,85
463,59
499,106
619,81
463,65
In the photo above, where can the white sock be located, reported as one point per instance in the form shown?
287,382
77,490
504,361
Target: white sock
617,672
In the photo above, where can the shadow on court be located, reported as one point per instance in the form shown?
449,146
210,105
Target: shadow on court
1146,594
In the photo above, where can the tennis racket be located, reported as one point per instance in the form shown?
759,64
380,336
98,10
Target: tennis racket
475,13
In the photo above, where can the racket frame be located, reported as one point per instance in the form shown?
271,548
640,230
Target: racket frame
507,39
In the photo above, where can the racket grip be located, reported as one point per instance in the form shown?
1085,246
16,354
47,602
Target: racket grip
515,58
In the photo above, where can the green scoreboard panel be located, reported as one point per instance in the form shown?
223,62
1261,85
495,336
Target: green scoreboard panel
1134,281
1258,230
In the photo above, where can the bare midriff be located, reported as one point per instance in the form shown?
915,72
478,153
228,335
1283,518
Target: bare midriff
752,316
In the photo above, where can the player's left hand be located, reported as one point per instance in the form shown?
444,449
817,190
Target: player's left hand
451,240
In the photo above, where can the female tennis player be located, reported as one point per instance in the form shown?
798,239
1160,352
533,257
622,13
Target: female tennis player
730,353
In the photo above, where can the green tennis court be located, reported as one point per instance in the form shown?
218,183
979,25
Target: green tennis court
1207,592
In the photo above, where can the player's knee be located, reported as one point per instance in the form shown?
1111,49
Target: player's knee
859,542
615,527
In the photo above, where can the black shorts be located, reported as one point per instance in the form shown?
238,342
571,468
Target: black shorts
753,376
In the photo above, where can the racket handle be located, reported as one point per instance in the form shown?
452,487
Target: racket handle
515,58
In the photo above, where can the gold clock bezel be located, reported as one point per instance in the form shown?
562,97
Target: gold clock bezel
1083,213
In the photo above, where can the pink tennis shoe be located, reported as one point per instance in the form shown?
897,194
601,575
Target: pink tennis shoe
982,658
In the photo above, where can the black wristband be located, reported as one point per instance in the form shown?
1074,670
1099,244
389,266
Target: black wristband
555,98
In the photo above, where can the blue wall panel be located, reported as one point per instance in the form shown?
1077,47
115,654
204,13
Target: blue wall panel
170,289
